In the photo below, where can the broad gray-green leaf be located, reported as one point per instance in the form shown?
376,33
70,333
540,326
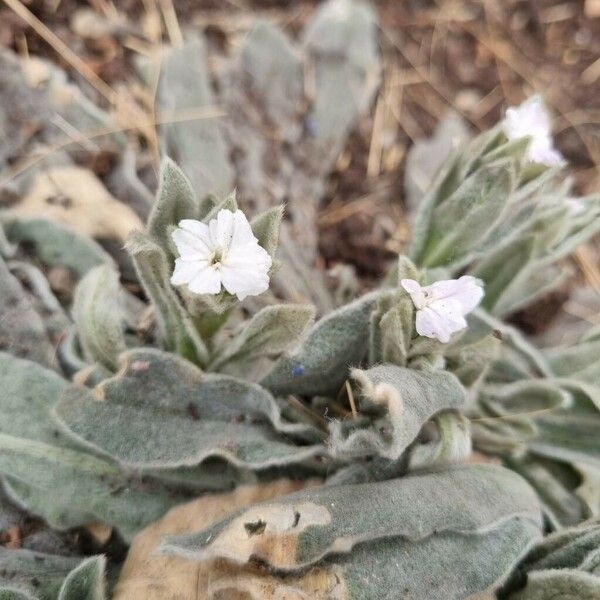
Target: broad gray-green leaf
13,594
22,331
408,398
99,316
464,219
196,144
266,226
556,485
272,331
301,529
162,412
34,574
70,488
425,157
334,344
581,361
85,582
562,565
28,393
561,584
175,201
57,246
67,487
455,567
500,268
274,71
341,39
176,325
531,284
569,437
452,566
228,202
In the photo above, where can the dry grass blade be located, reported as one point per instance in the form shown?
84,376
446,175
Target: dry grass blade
51,38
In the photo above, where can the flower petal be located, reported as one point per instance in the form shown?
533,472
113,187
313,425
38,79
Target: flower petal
466,290
440,320
429,324
245,270
415,291
221,229
186,270
206,281
531,118
242,232
190,246
196,228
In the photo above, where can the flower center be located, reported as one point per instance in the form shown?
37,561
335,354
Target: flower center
216,258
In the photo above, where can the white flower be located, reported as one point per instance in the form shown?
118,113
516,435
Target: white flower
531,119
442,306
224,252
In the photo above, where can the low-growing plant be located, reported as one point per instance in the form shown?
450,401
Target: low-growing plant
114,410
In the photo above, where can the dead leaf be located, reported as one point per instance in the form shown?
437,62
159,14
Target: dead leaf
149,576
77,198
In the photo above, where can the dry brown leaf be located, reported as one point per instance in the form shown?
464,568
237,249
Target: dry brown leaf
75,197
149,576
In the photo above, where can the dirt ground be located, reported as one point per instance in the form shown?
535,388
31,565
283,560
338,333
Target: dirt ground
474,58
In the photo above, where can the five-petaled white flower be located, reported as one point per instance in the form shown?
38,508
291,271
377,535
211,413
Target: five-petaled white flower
442,306
531,119
224,252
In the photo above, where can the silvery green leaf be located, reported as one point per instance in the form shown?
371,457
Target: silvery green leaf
567,584
67,487
176,326
556,485
582,227
392,327
569,437
28,393
175,201
312,524
525,398
266,226
562,565
33,574
465,218
407,398
425,158
196,144
22,331
57,246
271,332
99,316
162,412
471,355
529,361
274,70
581,361
332,346
453,446
43,299
228,202
7,250
501,267
14,594
531,284
86,581
341,39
